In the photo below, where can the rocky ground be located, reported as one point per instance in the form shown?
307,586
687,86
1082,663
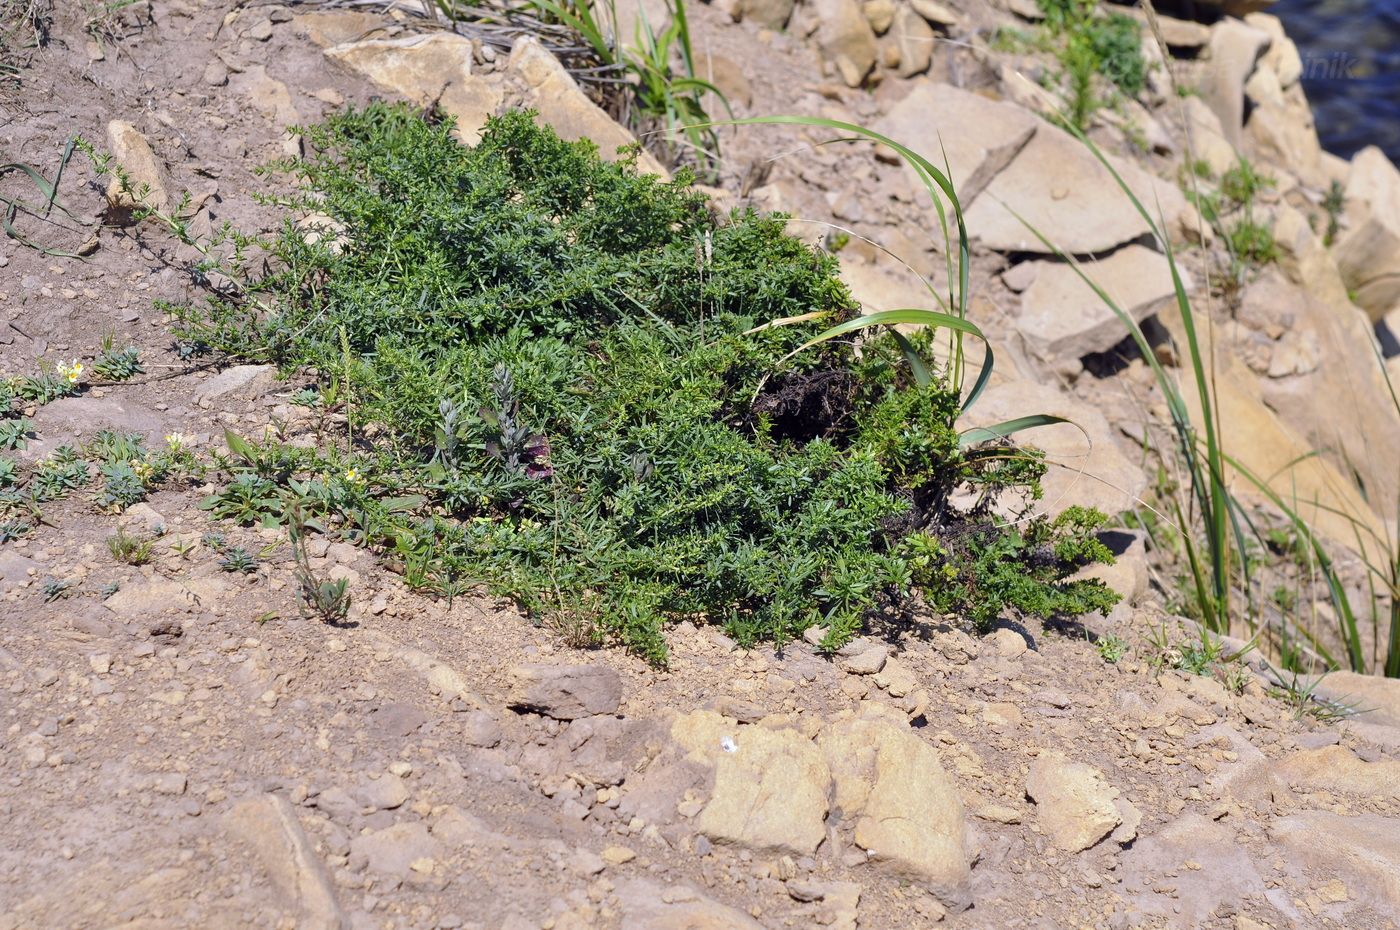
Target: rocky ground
190,751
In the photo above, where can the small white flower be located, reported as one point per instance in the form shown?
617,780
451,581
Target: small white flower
728,745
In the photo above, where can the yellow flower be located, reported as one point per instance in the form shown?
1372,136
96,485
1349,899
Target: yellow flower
177,441
141,468
71,372
353,476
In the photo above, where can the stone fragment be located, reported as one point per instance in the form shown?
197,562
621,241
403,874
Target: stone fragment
383,793
936,13
1007,643
770,785
845,39
268,824
566,692
868,661
914,38
1074,804
770,14
909,816
145,177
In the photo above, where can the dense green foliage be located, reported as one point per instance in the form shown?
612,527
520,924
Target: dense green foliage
558,387
1091,46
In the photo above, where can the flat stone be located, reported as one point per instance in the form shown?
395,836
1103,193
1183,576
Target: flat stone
1364,850
393,850
237,378
1062,318
1060,188
1375,699
566,692
1340,771
648,905
980,136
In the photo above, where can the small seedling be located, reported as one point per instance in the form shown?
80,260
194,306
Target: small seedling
1111,648
238,559
10,530
130,549
307,397
55,589
115,364
325,599
14,434
122,486
108,589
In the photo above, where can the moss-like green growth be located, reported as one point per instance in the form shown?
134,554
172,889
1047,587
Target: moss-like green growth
572,401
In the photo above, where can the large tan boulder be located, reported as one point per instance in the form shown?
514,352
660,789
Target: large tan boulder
1367,440
1270,445
908,812
552,91
1062,318
845,38
1368,253
1233,51
770,785
424,69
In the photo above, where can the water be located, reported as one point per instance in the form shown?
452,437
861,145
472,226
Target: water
1351,69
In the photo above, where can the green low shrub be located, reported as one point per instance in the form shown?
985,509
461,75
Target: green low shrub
560,385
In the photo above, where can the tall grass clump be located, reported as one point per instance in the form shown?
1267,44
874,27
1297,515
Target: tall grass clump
581,388
1095,51
1217,532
